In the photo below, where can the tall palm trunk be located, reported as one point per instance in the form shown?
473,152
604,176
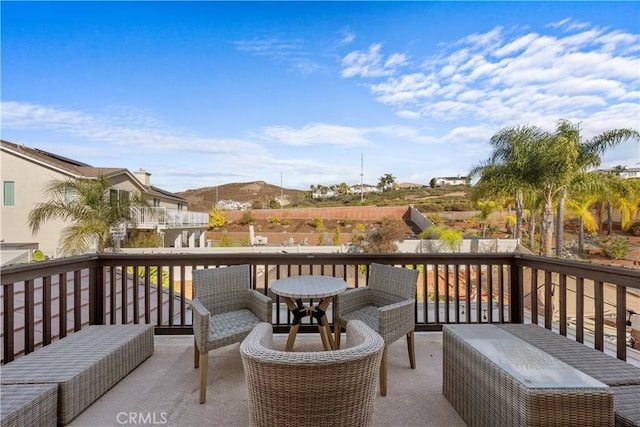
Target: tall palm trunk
560,223
609,218
580,235
532,231
546,228
518,230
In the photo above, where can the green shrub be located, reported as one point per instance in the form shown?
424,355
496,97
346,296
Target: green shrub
435,218
615,247
247,218
318,224
285,222
336,237
274,220
143,239
226,241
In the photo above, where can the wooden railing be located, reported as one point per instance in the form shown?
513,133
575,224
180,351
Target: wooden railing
452,288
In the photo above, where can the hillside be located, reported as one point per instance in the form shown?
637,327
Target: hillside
259,193
203,199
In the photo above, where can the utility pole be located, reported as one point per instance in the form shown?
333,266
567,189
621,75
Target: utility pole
361,177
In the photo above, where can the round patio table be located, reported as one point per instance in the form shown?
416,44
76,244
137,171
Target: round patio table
298,288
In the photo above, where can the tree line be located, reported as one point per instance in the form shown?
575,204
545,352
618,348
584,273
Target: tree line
541,173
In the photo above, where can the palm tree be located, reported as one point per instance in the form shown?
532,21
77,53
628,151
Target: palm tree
486,209
343,189
90,208
625,197
579,158
386,182
529,159
580,207
511,169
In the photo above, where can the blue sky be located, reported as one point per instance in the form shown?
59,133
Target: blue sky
206,93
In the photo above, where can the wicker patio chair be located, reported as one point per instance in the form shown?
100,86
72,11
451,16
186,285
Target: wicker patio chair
386,305
323,388
225,310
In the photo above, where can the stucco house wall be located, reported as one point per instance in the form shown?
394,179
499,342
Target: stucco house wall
30,180
31,170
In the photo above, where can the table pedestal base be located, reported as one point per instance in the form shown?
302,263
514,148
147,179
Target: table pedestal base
300,311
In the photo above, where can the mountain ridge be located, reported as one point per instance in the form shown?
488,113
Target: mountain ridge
203,199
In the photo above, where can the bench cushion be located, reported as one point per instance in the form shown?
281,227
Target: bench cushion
84,365
606,369
28,405
626,403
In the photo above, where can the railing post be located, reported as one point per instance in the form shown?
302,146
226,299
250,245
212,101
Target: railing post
516,293
96,294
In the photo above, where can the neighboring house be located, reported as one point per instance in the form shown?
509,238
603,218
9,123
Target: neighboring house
409,186
233,205
630,173
623,172
363,188
26,172
450,180
324,193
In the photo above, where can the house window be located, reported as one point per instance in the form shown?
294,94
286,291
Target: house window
156,203
113,196
8,193
123,195
180,206
69,195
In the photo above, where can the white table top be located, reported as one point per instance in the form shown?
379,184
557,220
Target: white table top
308,286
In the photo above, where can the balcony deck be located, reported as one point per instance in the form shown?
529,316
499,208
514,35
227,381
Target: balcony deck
166,387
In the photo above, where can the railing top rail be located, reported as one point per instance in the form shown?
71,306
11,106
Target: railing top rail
19,272
628,277
305,258
621,276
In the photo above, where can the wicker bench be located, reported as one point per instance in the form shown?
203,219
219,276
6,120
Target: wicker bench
84,365
28,405
494,378
622,377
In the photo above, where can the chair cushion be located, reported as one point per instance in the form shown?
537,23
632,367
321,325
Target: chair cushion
368,315
230,327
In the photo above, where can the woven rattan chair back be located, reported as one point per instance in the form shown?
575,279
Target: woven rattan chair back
390,280
324,388
222,289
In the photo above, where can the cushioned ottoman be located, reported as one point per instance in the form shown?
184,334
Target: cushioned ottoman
84,365
25,405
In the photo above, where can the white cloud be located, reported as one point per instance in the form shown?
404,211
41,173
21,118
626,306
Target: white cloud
347,36
371,63
291,52
316,134
517,76
408,114
129,129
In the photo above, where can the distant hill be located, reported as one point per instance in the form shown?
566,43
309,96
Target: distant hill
203,199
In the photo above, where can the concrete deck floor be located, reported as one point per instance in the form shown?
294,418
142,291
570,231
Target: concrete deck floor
164,389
